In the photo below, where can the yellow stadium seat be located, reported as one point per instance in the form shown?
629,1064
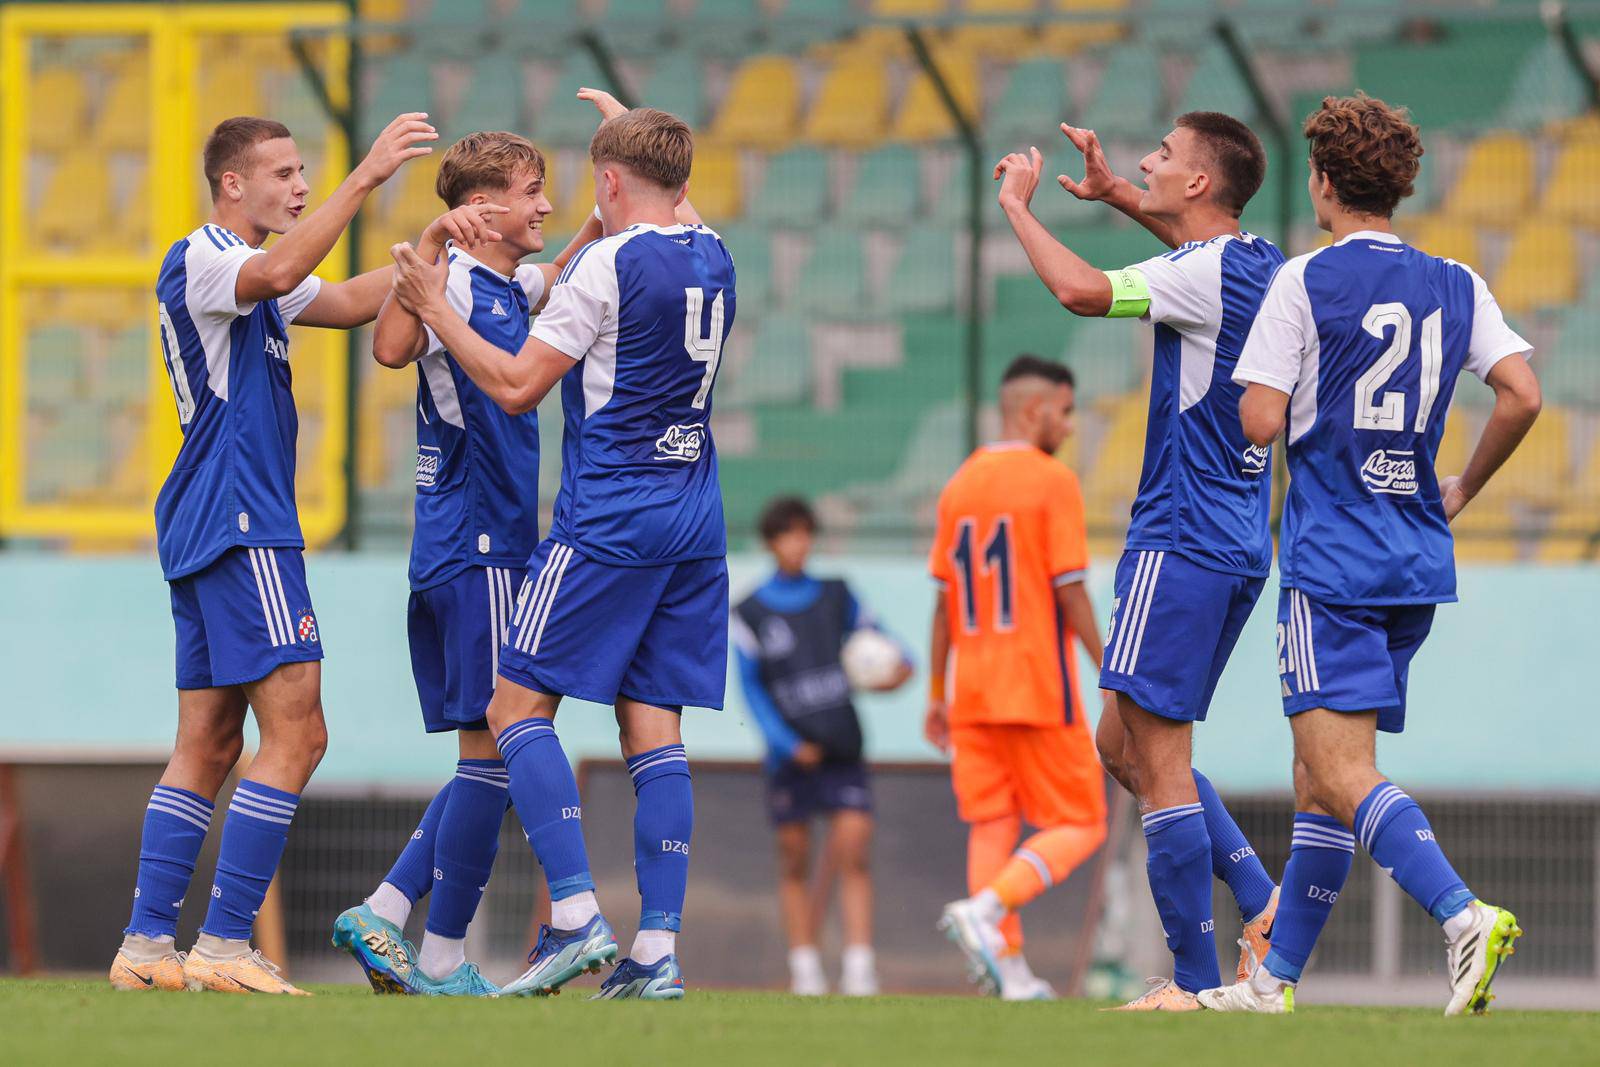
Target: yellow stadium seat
852,104
124,121
574,206
762,104
1004,42
1571,194
1001,7
1449,238
1112,475
58,108
75,208
714,183
1539,473
881,43
1495,184
1065,38
1541,268
908,8
922,115
1455,445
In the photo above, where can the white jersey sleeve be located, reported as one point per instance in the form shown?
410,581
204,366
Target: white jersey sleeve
531,278
582,308
211,268
458,294
1283,331
1492,338
1185,287
294,303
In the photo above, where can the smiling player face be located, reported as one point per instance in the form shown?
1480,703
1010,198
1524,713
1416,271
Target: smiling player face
273,191
1171,174
522,230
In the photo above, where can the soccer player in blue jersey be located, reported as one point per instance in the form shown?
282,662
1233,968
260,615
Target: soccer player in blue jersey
1356,353
477,522
229,539
626,602
1198,546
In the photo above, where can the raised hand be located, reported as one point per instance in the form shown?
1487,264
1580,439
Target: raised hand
401,140
418,284
1099,181
1018,176
610,107
469,226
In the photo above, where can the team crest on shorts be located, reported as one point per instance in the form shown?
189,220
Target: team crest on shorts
308,627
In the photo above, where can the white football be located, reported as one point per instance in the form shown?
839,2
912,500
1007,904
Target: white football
870,659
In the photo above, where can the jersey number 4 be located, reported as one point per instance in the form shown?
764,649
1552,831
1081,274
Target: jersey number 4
1389,412
702,348
995,560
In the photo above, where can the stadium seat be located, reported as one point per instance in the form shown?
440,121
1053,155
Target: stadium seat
494,99
922,115
751,247
1495,184
1428,77
1545,90
1217,85
1571,193
1111,477
57,364
833,282
908,8
1571,374
1127,100
1540,270
714,185
75,205
886,192
1067,38
128,365
779,368
402,82
123,124
762,105
1033,103
794,191
561,118
851,105
924,276
58,103
675,85
1540,471
1439,236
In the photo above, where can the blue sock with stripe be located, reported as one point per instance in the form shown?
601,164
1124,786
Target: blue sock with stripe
1232,858
412,872
1392,828
253,836
1179,865
663,820
545,795
469,838
175,825
1319,863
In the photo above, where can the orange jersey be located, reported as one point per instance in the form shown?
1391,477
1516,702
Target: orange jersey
1011,529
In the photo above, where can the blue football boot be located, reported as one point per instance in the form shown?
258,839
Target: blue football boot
661,980
562,955
464,981
379,946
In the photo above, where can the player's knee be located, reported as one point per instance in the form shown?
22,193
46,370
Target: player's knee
794,863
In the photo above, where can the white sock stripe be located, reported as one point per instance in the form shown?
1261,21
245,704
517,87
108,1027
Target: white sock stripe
200,807
549,602
1324,834
178,813
1333,846
166,803
656,761
1038,864
276,586
541,593
1375,812
498,783
233,809
1130,611
1144,611
1166,815
517,729
249,807
270,803
261,591
1319,828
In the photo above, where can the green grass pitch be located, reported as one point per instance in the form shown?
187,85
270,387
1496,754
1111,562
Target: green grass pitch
72,1022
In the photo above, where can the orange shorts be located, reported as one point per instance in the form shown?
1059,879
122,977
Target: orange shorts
1049,775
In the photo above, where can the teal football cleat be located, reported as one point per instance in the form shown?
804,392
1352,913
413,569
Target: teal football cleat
464,981
562,955
661,980
379,946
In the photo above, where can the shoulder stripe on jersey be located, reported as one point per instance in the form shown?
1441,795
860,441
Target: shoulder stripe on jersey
576,259
212,237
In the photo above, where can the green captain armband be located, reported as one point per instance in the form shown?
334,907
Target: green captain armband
1130,293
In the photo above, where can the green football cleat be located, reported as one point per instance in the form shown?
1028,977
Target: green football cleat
1474,958
379,946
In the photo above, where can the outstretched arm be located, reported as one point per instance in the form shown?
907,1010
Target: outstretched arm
1101,183
399,338
1079,287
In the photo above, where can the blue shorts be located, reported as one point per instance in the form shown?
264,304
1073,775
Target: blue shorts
456,629
1173,626
244,615
598,631
795,794
1346,657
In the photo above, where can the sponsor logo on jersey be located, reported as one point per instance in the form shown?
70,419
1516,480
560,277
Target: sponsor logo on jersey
278,348
682,442
1255,459
428,459
1391,471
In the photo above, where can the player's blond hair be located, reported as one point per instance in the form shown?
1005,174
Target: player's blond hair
487,161
653,144
1371,152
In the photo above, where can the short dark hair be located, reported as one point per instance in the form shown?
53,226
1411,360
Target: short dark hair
1029,365
784,513
228,147
1236,151
1370,151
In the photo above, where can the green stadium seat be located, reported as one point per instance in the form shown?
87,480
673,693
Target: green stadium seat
674,85
794,191
127,373
779,368
1571,374
924,277
1111,246
1104,355
751,247
1546,90
563,119
1034,102
402,82
834,281
727,28
1217,85
57,364
1177,21
887,189
1128,99
494,99
1428,78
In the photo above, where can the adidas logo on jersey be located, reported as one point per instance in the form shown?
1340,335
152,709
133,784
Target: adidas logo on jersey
682,442
498,310
1391,471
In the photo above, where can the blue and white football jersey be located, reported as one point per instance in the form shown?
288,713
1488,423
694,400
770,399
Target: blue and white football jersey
477,467
1204,492
233,480
1368,337
645,312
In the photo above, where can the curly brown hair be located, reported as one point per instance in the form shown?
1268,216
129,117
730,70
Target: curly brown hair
1368,150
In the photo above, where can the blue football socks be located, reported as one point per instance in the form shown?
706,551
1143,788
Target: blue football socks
469,838
1394,831
1232,858
663,820
253,836
175,825
545,795
412,872
1319,863
1179,865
